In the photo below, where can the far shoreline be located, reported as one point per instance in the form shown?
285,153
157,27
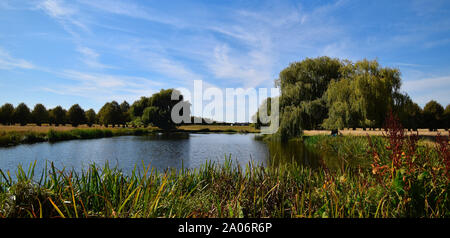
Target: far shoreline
13,135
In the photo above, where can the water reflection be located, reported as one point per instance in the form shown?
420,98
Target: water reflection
290,151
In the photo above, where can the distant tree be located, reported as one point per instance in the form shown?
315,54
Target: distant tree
432,115
76,115
40,114
22,114
125,108
137,108
57,116
265,110
408,112
110,114
150,116
159,111
446,117
90,117
6,114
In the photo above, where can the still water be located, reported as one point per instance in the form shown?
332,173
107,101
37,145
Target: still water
161,151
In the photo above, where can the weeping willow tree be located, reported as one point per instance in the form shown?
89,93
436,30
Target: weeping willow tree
302,86
330,93
363,96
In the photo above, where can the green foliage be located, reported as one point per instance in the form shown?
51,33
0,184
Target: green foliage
137,109
90,117
40,114
446,117
409,113
57,116
158,109
125,108
22,114
302,87
6,114
110,114
363,96
336,94
291,122
76,115
150,115
432,114
264,109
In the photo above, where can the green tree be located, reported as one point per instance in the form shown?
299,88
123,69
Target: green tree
363,96
76,115
150,115
303,85
446,117
125,108
263,108
432,115
6,114
110,114
40,114
158,113
22,114
137,108
90,117
291,122
409,113
57,116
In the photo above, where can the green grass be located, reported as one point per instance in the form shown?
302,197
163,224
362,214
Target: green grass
12,138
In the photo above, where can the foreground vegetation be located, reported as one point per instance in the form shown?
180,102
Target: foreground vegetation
398,176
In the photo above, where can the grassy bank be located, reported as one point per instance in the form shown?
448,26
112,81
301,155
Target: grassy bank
11,138
15,135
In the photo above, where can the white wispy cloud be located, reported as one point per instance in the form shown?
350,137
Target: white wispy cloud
266,37
65,13
129,9
91,58
8,62
101,86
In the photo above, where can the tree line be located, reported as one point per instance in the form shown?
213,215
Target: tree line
329,93
154,110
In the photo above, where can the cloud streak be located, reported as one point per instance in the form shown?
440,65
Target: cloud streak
7,62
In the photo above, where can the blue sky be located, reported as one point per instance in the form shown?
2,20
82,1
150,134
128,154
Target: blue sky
61,52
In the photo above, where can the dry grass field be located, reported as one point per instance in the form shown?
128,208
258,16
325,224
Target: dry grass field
379,132
212,128
219,128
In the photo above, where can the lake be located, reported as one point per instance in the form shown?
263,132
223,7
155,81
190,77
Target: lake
161,151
